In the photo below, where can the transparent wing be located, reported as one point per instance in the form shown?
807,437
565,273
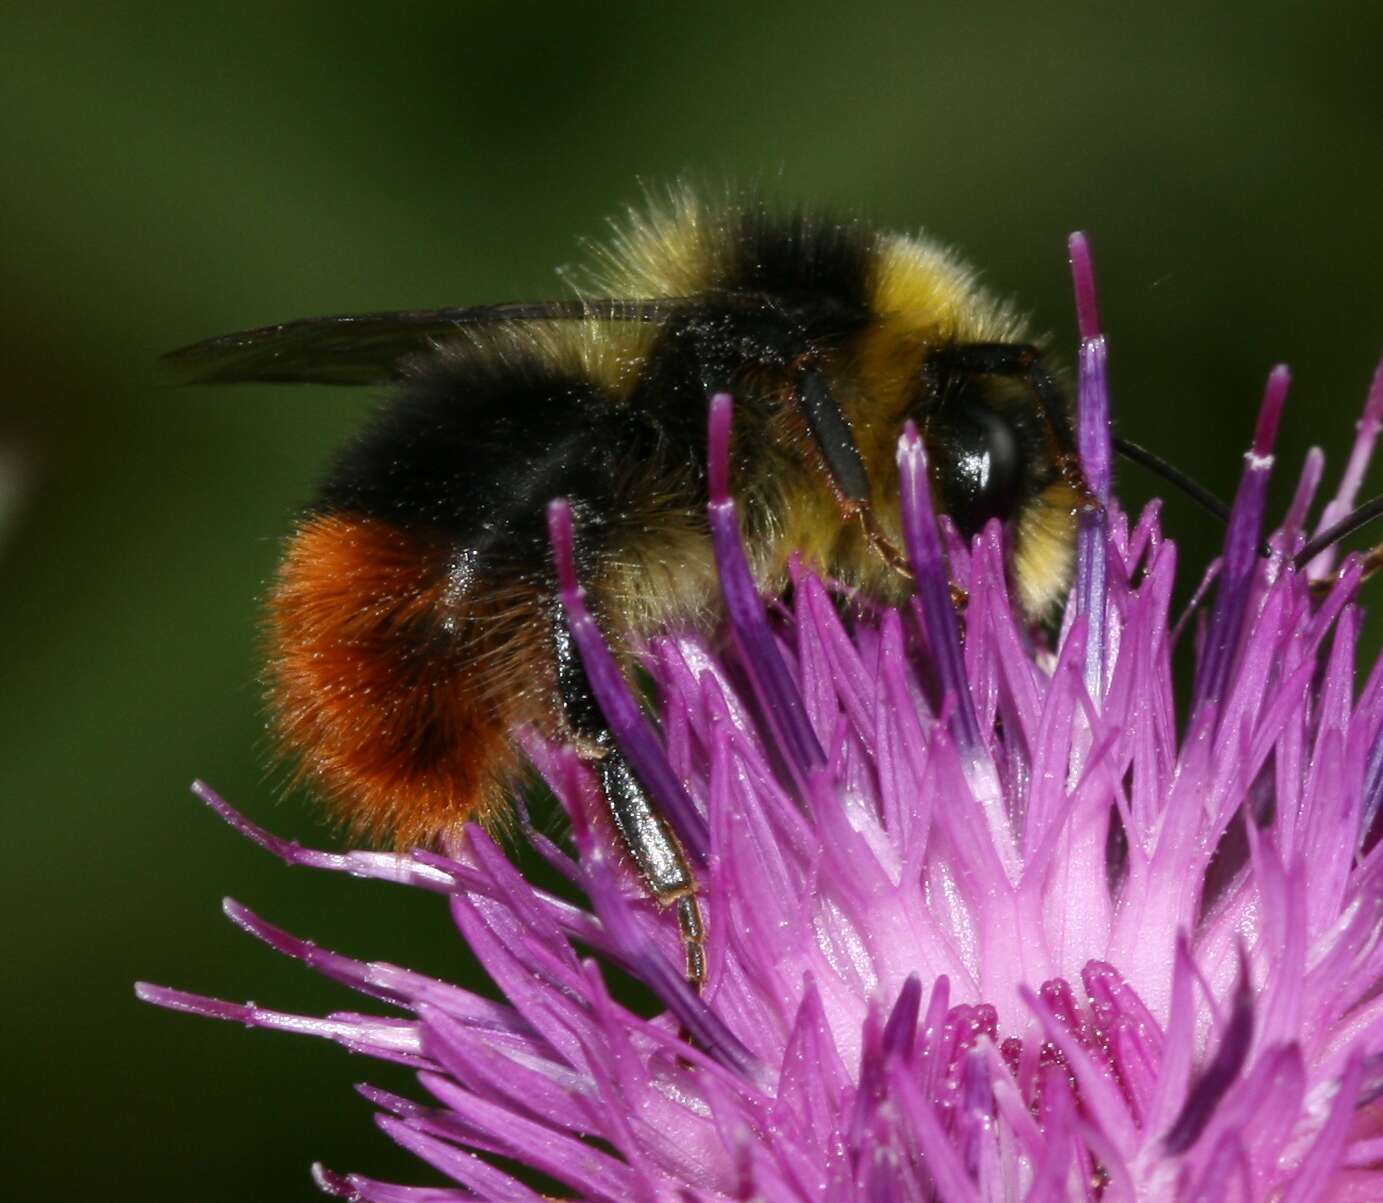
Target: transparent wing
368,348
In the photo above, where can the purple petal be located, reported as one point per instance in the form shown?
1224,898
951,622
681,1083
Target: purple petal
1217,1077
779,694
1241,547
933,586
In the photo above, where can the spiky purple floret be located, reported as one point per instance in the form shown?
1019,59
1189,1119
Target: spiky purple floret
772,682
965,940
1096,454
1242,541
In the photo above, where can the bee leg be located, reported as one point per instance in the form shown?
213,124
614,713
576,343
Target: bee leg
658,854
645,834
1358,518
849,480
878,542
1370,563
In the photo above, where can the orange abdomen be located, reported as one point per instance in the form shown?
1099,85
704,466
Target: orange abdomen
396,678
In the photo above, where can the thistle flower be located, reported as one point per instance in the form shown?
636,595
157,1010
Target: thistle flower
986,921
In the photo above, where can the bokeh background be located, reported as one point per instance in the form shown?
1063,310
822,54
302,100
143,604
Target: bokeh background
172,172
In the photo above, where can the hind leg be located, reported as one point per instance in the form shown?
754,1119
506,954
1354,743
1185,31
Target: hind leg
646,836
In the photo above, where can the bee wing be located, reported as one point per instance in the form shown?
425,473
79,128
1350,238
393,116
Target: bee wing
369,348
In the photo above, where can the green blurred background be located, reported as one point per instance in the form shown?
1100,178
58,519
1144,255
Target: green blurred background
173,173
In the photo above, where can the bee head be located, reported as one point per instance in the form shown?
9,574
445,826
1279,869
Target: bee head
996,443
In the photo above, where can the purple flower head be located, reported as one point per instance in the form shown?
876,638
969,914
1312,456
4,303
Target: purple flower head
986,919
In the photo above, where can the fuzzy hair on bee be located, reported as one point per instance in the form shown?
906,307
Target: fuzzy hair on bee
412,626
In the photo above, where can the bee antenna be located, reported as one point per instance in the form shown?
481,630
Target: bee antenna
1346,526
1173,476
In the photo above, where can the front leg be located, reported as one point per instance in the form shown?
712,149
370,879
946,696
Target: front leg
844,466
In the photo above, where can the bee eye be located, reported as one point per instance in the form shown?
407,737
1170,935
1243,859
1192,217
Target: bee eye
982,462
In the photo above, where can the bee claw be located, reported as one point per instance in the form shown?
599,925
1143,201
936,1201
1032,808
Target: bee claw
880,543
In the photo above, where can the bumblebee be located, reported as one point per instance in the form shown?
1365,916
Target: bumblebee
413,627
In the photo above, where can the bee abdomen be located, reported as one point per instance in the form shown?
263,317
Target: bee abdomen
384,671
